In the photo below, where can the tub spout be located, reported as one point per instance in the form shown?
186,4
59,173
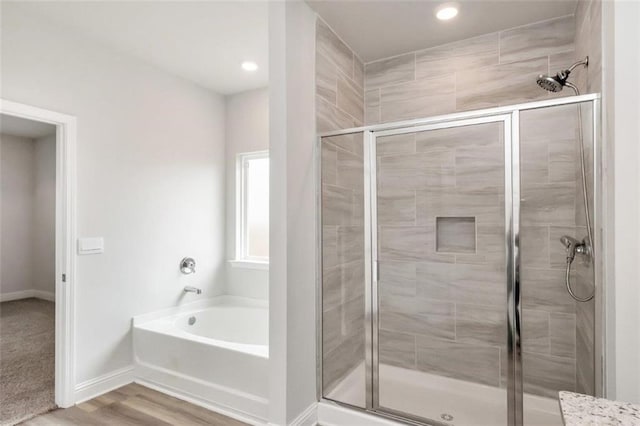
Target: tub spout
190,289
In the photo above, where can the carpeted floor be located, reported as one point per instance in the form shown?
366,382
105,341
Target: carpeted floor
27,359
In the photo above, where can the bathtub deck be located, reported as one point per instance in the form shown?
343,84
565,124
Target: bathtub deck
133,405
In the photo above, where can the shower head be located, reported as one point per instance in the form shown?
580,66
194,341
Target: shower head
552,84
557,82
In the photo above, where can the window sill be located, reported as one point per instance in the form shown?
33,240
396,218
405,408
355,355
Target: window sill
250,264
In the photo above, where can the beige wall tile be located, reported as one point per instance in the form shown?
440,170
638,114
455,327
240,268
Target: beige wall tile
350,142
329,117
562,61
341,284
477,136
397,278
538,39
443,178
342,323
543,289
350,244
399,69
396,207
350,98
329,164
461,55
372,106
476,363
350,171
404,242
535,331
485,207
546,375
326,79
329,247
485,325
500,84
490,249
468,284
563,156
562,334
434,159
358,71
534,244
421,98
339,362
548,203
534,161
545,124
480,169
397,144
397,349
337,207
331,47
423,317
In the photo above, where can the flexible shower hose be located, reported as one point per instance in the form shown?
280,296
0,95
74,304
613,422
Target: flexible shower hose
589,242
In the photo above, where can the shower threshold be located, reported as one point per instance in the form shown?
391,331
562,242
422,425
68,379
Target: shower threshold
451,401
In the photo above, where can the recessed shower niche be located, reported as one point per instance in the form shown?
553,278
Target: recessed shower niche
456,234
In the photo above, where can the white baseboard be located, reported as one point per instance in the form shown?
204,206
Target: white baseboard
308,417
16,295
103,384
44,295
25,294
241,406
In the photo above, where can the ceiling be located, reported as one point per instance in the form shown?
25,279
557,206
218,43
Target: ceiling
380,29
202,41
22,127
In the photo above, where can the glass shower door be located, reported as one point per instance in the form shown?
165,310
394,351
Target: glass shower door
343,269
440,333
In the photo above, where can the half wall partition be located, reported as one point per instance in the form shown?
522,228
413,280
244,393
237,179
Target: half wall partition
442,291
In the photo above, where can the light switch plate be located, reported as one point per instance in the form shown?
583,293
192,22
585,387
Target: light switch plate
94,245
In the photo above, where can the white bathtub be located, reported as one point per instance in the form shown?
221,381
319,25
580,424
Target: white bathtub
219,360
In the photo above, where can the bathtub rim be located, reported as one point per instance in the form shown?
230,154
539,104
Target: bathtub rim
163,322
198,305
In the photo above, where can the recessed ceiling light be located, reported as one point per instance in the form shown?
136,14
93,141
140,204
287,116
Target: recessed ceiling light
249,66
446,11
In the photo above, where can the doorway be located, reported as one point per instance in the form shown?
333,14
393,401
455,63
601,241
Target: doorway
37,288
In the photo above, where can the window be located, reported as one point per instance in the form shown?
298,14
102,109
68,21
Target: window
252,209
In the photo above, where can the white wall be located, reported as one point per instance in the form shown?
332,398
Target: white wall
44,215
622,130
28,216
293,211
247,130
150,165
17,199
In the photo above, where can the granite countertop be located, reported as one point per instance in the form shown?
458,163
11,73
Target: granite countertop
578,410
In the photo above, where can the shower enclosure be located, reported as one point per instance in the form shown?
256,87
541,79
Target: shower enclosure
442,295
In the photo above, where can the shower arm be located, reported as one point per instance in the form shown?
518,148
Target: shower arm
584,62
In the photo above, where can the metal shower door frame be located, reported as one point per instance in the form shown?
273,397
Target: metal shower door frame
510,117
511,196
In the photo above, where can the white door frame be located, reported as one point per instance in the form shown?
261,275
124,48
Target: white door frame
65,237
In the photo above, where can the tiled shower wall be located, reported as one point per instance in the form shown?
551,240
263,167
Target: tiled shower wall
588,42
339,104
481,72
445,334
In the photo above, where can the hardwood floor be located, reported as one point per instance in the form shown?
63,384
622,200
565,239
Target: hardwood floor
133,405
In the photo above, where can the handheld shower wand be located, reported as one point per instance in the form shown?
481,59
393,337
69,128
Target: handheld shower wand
556,84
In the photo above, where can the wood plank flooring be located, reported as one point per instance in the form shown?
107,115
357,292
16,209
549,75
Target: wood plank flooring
131,405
